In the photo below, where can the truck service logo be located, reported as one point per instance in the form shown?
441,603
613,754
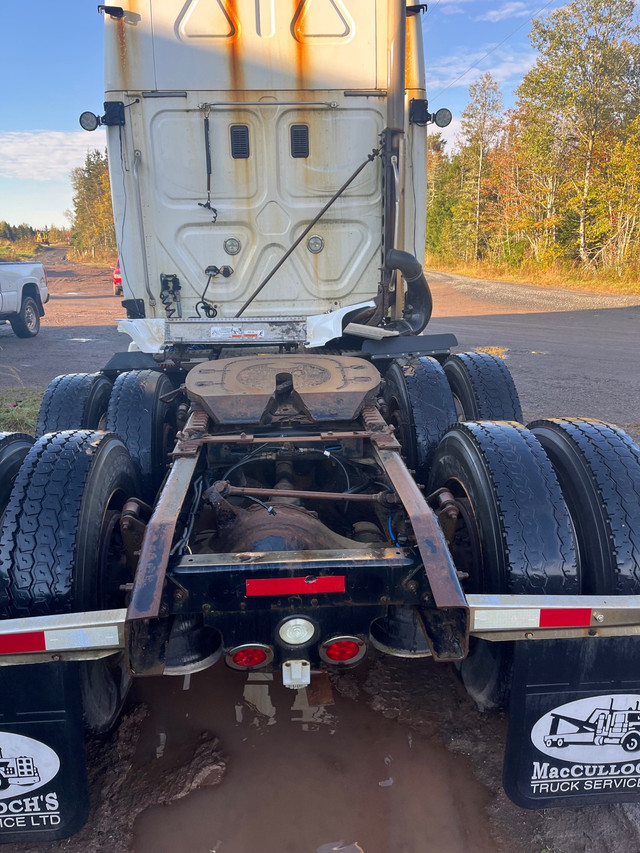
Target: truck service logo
25,764
593,744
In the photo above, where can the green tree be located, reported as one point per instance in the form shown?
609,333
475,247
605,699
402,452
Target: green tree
481,123
92,229
440,194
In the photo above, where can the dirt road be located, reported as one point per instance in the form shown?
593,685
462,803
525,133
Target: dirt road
402,762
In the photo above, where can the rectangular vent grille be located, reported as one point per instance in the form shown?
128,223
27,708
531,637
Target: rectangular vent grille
239,141
299,140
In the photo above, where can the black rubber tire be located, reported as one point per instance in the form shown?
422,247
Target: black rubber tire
522,532
421,407
483,387
59,550
74,401
14,446
145,423
26,323
598,467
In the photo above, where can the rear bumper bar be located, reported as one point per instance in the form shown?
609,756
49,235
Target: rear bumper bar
95,634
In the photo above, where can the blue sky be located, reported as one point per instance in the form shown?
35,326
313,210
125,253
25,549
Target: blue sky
51,51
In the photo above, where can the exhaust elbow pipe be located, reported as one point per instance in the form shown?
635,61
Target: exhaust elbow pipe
418,301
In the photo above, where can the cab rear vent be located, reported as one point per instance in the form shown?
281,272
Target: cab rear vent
299,140
239,141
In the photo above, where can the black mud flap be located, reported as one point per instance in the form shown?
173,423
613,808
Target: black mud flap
43,783
574,723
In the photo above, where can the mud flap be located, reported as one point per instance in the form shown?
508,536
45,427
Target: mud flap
574,723
43,783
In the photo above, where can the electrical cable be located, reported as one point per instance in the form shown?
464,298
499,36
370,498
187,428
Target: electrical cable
184,539
270,509
244,461
391,534
209,310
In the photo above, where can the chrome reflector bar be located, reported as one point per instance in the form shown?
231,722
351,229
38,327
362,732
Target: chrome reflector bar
534,617
67,636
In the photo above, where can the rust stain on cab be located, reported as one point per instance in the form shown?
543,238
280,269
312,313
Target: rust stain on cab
235,58
124,41
411,80
297,31
123,58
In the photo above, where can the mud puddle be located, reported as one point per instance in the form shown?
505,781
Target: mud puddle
304,778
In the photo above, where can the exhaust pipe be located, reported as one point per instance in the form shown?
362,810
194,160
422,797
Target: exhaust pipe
418,301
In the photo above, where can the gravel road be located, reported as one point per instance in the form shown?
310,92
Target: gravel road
401,762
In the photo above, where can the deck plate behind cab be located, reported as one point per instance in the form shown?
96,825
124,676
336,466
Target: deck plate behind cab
239,390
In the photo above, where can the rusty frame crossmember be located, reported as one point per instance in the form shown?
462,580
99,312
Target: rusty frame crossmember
444,615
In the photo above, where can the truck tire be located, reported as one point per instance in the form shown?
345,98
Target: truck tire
482,387
144,422
60,548
421,408
514,532
26,323
598,467
14,446
74,401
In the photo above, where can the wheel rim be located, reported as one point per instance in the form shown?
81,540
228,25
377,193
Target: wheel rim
465,546
459,409
30,317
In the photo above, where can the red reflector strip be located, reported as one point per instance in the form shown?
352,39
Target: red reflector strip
30,641
294,586
570,617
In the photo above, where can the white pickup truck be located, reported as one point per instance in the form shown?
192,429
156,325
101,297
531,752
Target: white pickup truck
23,293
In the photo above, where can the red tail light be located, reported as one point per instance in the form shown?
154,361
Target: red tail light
249,656
343,650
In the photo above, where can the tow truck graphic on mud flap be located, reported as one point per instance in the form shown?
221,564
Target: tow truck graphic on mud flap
603,726
17,771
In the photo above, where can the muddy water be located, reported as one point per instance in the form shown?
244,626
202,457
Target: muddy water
304,778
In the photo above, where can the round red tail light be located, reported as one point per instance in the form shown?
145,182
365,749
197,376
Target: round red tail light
345,650
249,656
342,650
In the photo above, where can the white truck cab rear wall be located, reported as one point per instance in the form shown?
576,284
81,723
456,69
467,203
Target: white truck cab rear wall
265,68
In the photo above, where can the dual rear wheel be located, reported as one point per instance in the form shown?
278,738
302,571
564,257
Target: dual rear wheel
553,509
61,549
61,500
134,407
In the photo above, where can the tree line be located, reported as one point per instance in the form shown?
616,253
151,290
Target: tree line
557,178
27,233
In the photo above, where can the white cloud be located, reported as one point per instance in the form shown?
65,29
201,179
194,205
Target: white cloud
507,10
464,67
45,155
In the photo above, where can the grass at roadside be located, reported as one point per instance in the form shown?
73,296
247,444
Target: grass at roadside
557,276
19,409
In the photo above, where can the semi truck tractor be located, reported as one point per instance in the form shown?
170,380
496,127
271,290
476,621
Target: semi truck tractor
285,469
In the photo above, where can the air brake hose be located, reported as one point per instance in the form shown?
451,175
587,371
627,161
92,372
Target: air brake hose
418,302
